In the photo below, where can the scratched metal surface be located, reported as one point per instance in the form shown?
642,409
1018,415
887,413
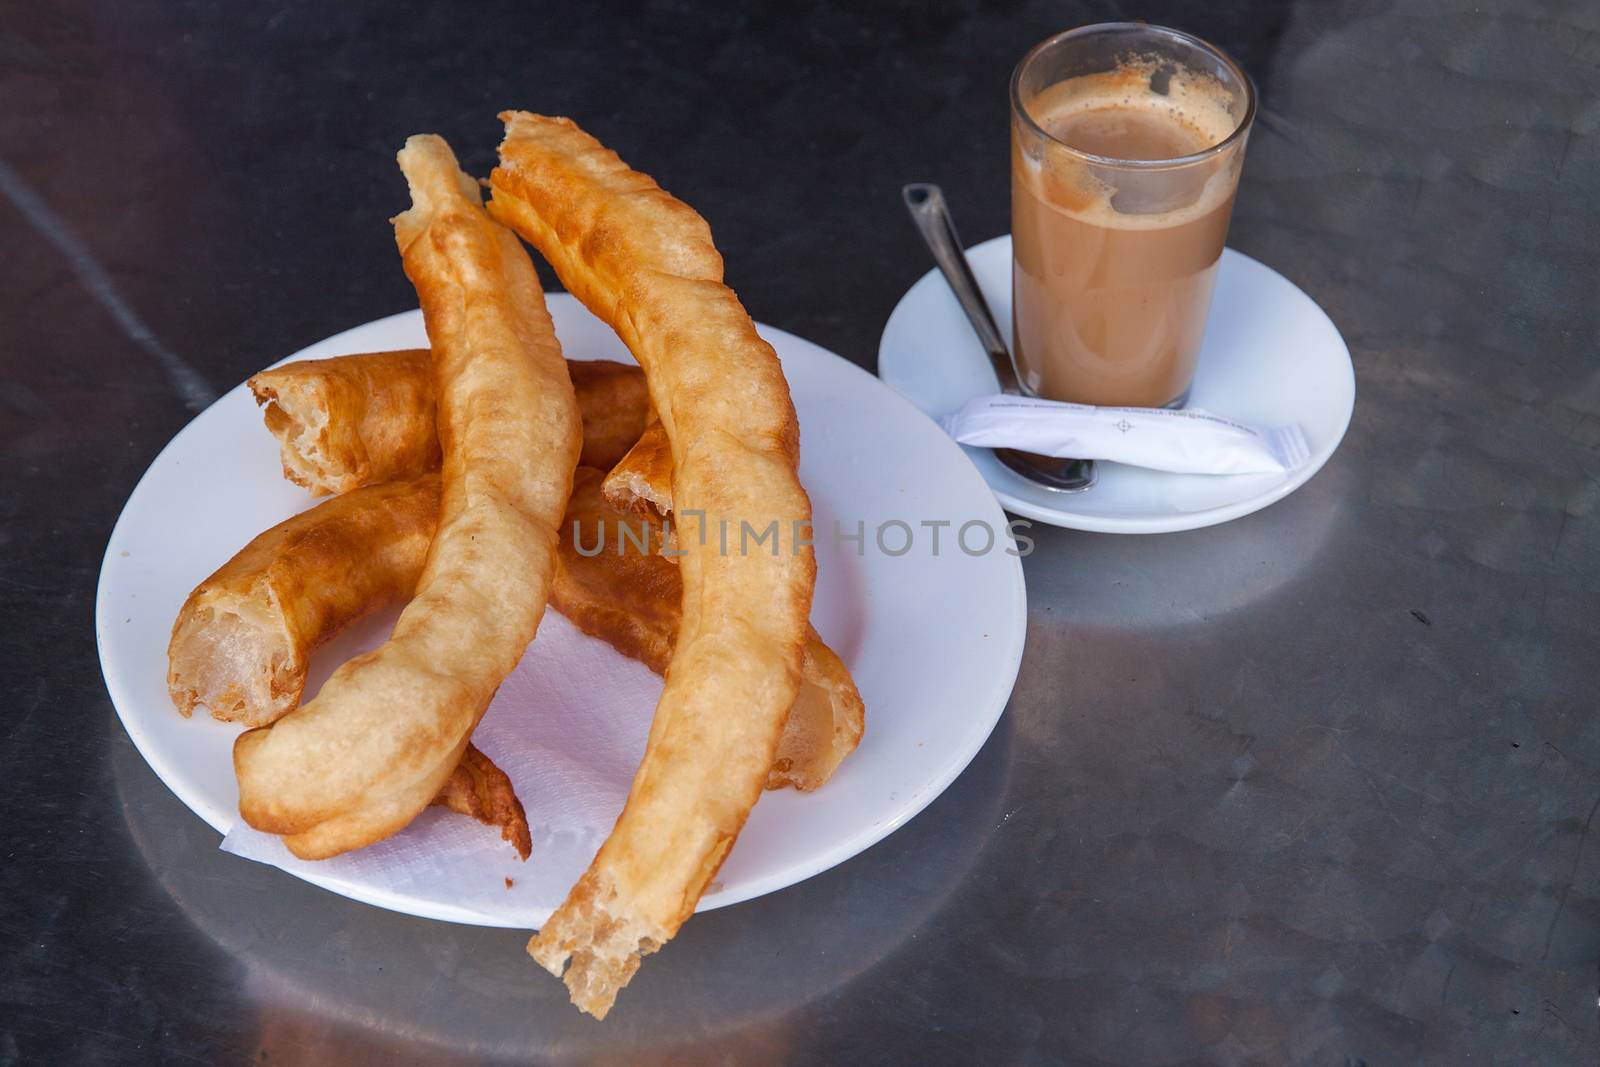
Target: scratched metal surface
1312,787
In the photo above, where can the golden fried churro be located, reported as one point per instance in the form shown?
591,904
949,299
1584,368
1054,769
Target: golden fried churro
644,262
388,728
350,421
612,583
353,420
242,643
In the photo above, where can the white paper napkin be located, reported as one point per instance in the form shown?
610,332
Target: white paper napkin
568,727
1183,440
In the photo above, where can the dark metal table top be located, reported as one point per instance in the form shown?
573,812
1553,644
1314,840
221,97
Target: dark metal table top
1315,786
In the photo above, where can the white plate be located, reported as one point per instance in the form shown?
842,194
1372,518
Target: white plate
1271,356
933,641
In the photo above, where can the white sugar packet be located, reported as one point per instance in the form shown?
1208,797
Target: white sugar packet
568,727
1183,440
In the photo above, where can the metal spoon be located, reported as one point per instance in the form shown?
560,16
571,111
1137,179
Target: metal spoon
926,204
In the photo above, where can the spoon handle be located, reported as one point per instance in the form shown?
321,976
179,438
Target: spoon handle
926,203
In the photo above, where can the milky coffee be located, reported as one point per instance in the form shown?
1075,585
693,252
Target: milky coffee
1115,262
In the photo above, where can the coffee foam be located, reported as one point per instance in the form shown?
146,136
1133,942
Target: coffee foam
1066,181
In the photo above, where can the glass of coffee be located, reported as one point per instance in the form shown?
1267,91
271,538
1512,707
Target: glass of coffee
1126,146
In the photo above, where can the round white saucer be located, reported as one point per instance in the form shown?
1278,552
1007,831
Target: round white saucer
1271,356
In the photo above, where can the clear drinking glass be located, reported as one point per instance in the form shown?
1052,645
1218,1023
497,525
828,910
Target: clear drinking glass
1126,146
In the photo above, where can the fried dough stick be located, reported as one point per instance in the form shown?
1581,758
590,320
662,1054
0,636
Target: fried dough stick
644,262
630,598
361,760
350,421
243,641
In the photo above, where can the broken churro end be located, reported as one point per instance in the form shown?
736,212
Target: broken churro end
594,951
